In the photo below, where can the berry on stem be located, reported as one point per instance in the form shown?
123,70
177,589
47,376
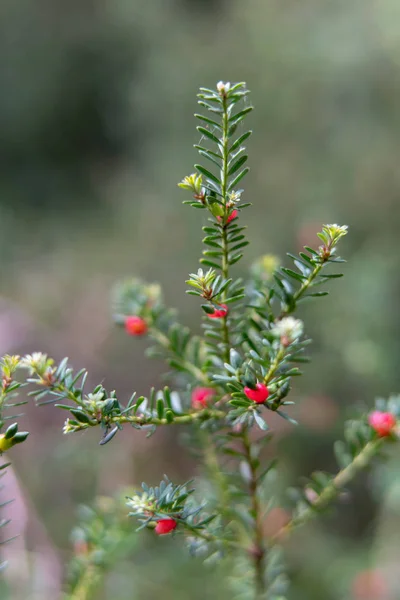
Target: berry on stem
135,325
201,397
230,218
382,423
219,313
259,394
165,526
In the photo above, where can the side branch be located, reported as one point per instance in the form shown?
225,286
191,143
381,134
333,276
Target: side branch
143,420
332,490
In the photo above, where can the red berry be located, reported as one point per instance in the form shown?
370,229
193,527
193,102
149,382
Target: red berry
219,313
135,326
382,422
165,526
201,396
230,218
233,215
259,394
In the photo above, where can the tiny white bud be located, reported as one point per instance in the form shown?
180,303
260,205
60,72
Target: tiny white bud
176,402
289,328
222,87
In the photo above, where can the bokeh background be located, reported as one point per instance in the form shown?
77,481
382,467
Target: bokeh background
96,124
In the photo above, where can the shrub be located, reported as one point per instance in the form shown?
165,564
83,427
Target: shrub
224,385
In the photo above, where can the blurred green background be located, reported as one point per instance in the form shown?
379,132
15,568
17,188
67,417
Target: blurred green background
97,127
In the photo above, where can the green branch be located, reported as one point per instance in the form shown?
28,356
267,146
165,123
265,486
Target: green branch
306,284
213,539
258,551
280,355
332,490
88,584
217,476
224,238
142,420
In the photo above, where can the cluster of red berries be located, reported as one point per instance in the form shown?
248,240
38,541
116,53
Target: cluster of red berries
165,526
135,325
383,423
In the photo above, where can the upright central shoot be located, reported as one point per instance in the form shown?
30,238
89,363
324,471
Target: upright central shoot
250,338
218,194
251,341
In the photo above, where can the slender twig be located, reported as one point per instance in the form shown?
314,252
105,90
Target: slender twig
303,288
217,476
258,551
143,420
201,415
306,284
275,364
224,191
332,490
213,539
87,585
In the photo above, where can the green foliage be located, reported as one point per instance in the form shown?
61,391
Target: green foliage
356,452
9,388
274,573
293,286
174,342
216,192
251,341
100,538
101,407
9,392
168,501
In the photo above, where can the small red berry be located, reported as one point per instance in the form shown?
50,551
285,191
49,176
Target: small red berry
201,396
135,325
382,422
259,394
230,218
219,313
165,526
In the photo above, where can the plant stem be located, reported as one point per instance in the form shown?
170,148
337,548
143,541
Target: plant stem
212,539
275,364
201,415
304,286
224,185
3,398
87,586
182,419
332,490
225,247
258,550
221,483
302,289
